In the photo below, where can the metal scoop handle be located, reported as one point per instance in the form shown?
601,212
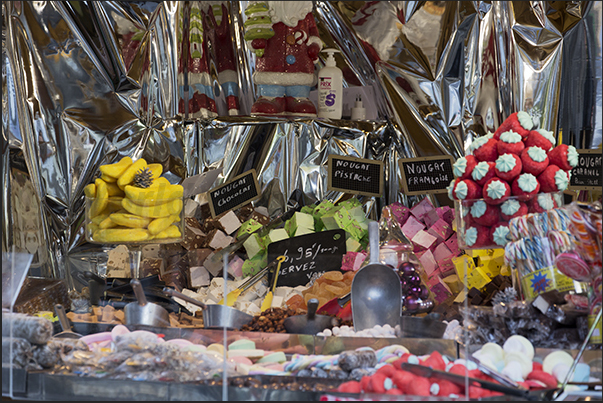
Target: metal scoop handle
63,321
373,233
174,293
139,292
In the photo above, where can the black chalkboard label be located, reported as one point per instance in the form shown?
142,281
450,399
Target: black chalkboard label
426,175
587,175
355,175
235,193
308,256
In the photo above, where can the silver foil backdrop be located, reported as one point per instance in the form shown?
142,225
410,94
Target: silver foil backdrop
85,83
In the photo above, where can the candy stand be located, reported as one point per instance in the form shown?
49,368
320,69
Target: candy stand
172,182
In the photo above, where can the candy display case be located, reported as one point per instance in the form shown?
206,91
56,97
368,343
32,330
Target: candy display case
481,225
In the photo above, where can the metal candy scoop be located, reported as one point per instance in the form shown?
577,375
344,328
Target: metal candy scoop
215,316
310,323
143,312
376,291
67,333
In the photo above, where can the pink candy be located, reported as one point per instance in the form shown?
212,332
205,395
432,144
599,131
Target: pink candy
411,227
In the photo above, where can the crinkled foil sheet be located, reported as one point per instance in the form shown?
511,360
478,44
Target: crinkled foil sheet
85,83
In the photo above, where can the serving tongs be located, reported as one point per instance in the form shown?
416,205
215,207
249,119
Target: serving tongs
460,380
232,296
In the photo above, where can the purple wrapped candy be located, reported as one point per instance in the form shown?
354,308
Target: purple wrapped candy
415,291
411,303
406,269
424,292
414,279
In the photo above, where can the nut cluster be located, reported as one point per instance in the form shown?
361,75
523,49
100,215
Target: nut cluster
271,320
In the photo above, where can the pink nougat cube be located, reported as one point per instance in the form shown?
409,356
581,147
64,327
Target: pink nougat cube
428,262
441,230
423,207
431,218
400,212
352,261
453,244
423,240
446,267
439,288
235,266
411,227
441,253
446,213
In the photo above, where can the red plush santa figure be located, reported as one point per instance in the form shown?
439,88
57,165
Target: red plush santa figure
285,39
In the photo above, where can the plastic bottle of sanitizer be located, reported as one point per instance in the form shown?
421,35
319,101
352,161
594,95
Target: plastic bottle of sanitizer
330,88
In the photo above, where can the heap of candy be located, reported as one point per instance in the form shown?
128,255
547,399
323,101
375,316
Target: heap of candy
131,202
434,243
508,174
347,215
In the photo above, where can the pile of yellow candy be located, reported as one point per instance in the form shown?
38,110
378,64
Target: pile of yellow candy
124,207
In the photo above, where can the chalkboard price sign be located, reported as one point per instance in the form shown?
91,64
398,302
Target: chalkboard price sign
587,174
308,256
426,175
355,175
235,193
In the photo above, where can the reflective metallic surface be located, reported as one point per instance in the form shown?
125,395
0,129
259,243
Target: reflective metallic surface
86,83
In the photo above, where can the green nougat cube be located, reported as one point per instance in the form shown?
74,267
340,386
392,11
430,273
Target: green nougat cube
350,203
328,220
303,231
308,210
253,266
318,225
299,220
352,245
343,218
322,208
356,231
277,234
248,227
254,245
357,214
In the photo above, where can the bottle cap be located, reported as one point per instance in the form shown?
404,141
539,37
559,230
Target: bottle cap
358,111
330,62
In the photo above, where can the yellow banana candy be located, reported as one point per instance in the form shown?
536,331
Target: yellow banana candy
108,179
170,232
160,181
156,170
90,190
92,228
98,219
101,200
129,220
114,205
128,175
156,211
113,235
114,190
107,223
153,194
116,169
160,224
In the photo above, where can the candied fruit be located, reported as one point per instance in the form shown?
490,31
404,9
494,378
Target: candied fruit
333,275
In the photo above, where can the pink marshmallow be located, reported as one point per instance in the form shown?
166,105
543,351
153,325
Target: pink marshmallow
411,227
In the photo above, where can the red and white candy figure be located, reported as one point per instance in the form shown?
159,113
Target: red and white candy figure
285,38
